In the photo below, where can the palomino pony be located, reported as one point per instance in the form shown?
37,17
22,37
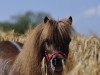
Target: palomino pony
44,52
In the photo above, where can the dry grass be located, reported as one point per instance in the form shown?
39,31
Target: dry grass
84,57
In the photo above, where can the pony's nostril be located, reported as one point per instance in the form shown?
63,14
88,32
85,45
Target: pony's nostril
57,62
54,61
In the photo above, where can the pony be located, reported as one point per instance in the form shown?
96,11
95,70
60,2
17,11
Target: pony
8,50
44,52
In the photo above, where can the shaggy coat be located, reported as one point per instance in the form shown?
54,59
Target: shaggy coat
28,61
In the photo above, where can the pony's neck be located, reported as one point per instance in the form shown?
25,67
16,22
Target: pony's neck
28,61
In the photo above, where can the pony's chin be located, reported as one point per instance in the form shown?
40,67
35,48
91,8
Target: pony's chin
58,69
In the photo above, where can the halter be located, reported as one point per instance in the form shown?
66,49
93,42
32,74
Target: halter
48,58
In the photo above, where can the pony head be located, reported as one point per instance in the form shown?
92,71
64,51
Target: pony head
56,37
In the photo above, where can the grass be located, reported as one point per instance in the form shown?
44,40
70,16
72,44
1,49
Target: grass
85,51
84,56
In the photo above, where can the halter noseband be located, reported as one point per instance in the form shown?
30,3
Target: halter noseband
48,58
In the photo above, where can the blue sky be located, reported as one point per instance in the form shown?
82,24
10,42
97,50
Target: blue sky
85,13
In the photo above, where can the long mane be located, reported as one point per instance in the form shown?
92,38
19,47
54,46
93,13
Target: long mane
28,62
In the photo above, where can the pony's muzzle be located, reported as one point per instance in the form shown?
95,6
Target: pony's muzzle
56,62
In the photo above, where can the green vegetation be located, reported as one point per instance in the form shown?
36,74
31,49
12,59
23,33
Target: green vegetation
21,23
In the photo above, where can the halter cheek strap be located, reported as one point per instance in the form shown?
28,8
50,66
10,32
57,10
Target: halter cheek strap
48,58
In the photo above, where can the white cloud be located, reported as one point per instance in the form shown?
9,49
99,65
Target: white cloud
94,11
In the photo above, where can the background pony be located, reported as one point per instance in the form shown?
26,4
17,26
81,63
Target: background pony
8,52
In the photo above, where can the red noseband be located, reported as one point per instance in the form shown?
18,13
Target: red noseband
49,57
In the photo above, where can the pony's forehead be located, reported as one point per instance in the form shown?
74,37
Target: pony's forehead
64,21
58,22
58,28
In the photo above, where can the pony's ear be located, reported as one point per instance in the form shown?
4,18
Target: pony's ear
70,20
46,19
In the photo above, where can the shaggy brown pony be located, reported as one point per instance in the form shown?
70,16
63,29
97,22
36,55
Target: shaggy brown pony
45,50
